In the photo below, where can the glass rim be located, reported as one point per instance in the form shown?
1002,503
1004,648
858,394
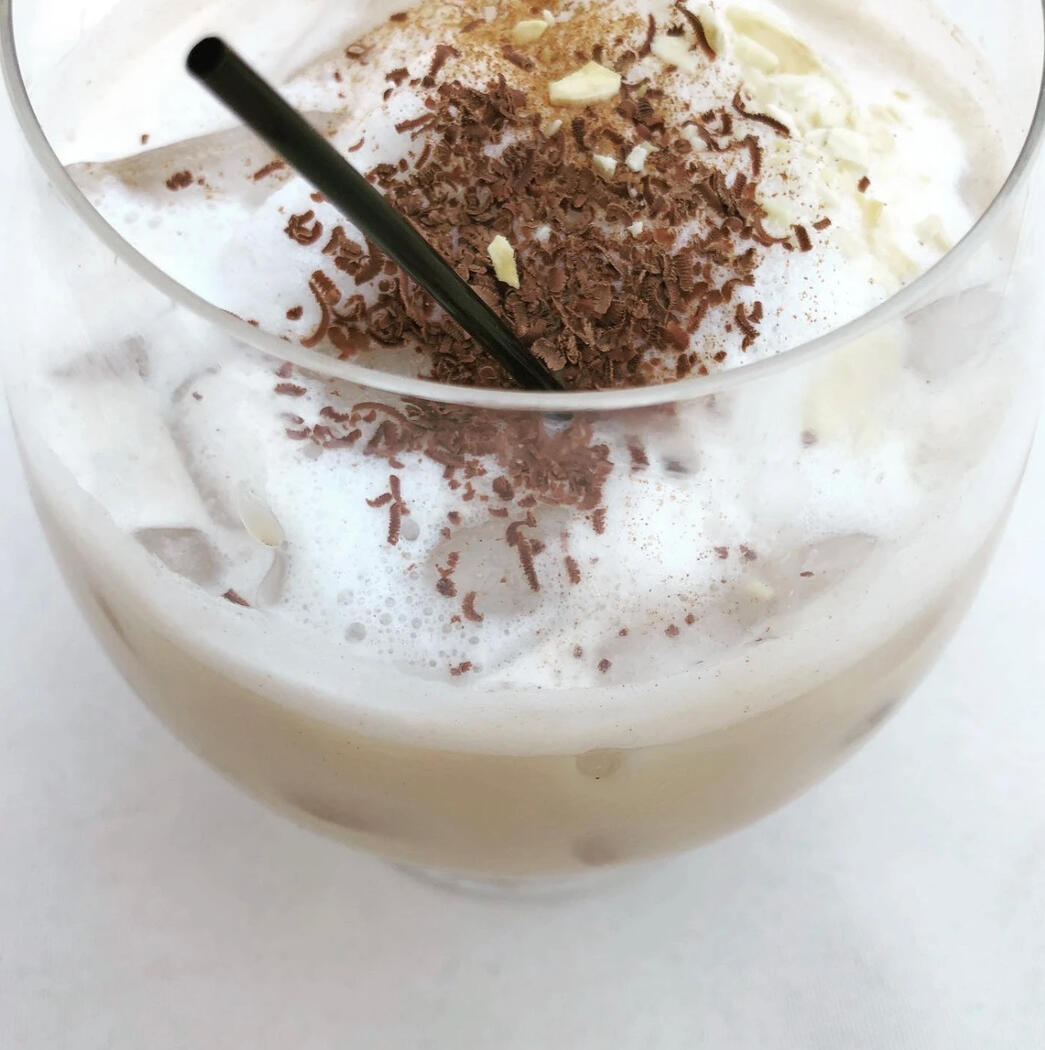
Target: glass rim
504,400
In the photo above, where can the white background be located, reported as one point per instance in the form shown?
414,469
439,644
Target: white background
146,905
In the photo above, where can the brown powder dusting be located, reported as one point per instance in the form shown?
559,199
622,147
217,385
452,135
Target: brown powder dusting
672,631
604,666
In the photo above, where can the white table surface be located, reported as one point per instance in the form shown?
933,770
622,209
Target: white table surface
146,905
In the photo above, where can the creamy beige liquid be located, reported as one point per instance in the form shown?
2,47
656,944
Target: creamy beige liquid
505,815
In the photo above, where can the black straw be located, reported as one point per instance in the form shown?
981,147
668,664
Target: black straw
261,108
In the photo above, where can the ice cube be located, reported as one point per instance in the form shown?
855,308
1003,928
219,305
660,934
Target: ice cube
187,552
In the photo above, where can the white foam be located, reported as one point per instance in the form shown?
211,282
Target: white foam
290,528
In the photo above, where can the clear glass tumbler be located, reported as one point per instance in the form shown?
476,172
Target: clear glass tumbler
822,519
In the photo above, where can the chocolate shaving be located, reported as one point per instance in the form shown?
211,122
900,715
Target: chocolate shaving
443,53
698,28
760,118
651,32
269,169
305,229
237,599
573,570
179,180
522,61
468,608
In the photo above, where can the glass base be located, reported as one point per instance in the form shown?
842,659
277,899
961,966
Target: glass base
538,888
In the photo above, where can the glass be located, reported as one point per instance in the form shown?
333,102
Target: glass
809,613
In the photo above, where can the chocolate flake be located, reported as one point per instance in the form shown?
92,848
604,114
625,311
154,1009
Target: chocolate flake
236,599
573,570
269,169
443,53
524,62
651,32
760,118
698,29
305,229
468,608
179,180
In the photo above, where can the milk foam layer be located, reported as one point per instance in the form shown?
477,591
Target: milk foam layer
221,499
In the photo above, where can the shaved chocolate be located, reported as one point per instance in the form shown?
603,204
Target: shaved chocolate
236,599
698,28
864,184
304,229
443,53
651,32
468,608
179,180
802,236
516,58
761,118
269,169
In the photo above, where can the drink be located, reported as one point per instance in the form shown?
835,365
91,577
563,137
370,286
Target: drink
481,638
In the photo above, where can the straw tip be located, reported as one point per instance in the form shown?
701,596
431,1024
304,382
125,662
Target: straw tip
206,56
